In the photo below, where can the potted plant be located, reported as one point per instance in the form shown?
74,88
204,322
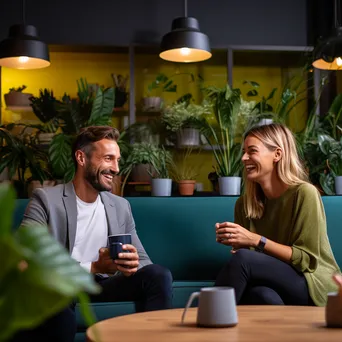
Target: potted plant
184,173
51,280
46,108
162,83
19,154
184,118
120,91
332,150
16,99
223,138
161,161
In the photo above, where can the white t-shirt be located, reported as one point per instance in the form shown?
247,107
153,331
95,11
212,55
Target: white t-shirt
91,232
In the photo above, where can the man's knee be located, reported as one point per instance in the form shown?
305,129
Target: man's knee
159,274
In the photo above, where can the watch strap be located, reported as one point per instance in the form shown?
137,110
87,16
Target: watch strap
261,244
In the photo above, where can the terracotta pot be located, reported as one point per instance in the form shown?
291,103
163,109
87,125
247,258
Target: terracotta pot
186,187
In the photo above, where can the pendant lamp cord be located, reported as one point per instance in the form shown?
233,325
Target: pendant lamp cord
337,9
185,8
24,10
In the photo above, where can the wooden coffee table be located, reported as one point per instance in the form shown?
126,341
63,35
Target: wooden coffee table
256,323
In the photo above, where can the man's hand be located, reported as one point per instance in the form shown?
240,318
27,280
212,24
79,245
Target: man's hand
104,264
232,234
128,262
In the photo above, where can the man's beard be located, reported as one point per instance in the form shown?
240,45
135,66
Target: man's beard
94,178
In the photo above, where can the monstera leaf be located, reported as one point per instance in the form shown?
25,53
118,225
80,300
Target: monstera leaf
38,278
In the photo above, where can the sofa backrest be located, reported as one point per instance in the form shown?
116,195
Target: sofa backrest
179,233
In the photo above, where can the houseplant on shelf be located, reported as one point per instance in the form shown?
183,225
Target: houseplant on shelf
46,108
184,119
19,154
183,172
38,278
161,160
332,149
17,99
120,91
162,83
223,138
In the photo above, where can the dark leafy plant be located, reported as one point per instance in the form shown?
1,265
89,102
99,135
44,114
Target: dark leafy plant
88,110
20,153
46,107
164,83
38,278
18,89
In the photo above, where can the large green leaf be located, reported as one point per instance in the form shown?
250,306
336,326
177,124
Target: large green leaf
102,107
40,279
7,197
60,154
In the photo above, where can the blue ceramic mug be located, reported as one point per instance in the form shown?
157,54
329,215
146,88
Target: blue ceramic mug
115,243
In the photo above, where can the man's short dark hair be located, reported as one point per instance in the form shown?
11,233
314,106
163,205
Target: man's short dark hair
89,135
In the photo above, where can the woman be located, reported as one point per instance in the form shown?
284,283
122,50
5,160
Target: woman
281,252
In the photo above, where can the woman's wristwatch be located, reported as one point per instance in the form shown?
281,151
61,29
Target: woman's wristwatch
261,245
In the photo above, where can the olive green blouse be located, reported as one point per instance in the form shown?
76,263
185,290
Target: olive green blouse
297,219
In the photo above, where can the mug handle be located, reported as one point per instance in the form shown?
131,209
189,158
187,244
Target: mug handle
190,300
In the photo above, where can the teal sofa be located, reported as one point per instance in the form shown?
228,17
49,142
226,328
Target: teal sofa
178,233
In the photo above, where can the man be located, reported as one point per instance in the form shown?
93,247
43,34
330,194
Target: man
81,214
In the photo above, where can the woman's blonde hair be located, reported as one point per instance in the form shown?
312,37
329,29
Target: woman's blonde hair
289,168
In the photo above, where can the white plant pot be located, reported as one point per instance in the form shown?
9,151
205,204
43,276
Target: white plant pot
338,185
264,122
188,137
229,186
152,104
161,187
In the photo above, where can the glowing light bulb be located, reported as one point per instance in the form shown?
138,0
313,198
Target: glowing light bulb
23,59
339,61
185,51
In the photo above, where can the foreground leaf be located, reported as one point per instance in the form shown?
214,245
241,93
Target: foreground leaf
44,282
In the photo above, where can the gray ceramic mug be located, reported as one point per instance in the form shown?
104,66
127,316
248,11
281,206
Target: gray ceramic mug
216,307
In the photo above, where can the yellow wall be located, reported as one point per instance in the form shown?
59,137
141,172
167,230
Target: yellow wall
269,78
67,67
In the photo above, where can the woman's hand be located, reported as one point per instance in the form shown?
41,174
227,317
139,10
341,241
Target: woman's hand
232,234
338,280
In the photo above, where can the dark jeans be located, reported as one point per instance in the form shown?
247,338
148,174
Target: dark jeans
150,288
59,328
262,279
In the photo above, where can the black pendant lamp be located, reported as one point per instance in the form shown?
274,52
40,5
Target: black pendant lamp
23,49
185,43
329,54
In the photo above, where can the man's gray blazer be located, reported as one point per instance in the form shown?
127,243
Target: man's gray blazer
56,207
